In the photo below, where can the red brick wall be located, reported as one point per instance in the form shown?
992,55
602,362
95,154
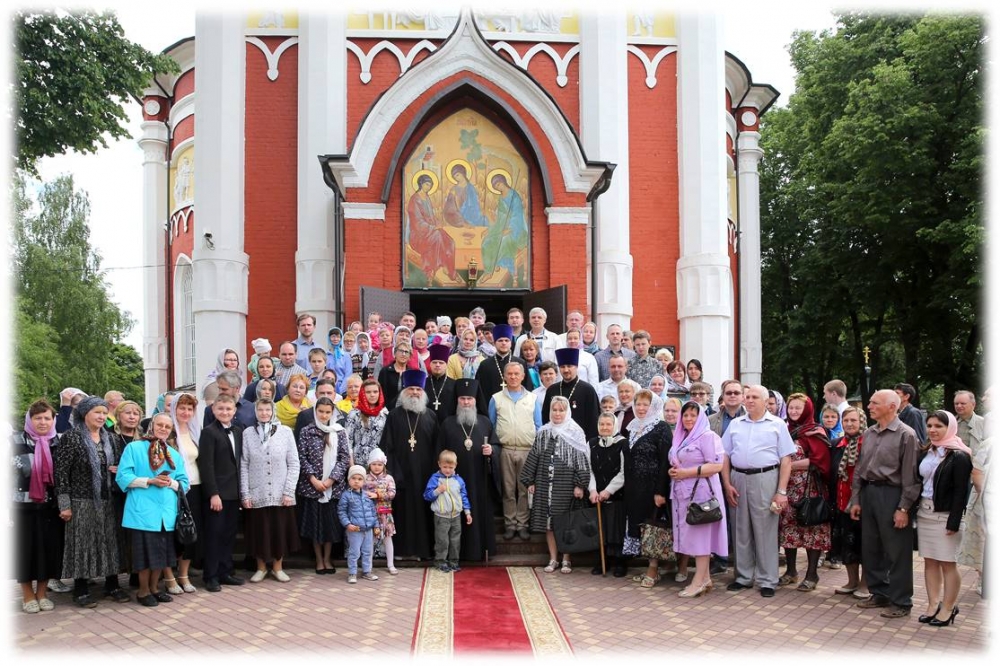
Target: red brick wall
270,194
184,85
184,130
653,198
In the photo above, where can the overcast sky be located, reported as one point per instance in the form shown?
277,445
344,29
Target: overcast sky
758,34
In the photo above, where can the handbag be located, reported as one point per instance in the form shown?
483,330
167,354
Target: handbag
704,512
810,510
184,527
656,538
576,531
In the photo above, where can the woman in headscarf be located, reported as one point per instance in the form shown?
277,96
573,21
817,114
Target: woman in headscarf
363,357
338,359
151,473
657,385
265,370
365,424
323,462
647,485
945,470
695,462
269,472
164,402
387,356
287,409
421,356
677,380
588,336
556,470
228,360
696,374
776,405
464,363
607,477
187,432
812,457
84,472
38,532
845,534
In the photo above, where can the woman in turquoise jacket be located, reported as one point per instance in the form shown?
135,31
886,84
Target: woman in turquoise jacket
150,473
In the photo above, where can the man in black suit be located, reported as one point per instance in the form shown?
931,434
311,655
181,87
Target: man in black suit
219,449
325,388
230,383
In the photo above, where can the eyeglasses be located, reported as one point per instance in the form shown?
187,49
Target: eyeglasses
403,351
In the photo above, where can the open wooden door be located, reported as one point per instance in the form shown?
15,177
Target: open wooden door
390,304
553,301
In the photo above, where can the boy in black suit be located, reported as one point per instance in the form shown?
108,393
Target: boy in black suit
219,449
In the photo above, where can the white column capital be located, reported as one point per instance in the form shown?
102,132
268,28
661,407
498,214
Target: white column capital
363,211
568,215
749,151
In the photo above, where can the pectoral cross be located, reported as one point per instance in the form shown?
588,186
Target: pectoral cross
503,385
413,442
437,404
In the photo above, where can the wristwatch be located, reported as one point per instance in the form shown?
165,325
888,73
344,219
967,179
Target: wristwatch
782,492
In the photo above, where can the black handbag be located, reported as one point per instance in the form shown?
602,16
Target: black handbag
576,530
704,512
810,510
184,527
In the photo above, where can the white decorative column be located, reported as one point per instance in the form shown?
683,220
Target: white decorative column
154,283
751,349
220,266
604,130
704,281
322,129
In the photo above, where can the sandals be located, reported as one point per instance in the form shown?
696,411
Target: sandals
788,579
807,586
186,584
551,566
566,568
845,590
170,584
648,582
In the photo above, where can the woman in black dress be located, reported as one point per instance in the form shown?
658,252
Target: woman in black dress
38,531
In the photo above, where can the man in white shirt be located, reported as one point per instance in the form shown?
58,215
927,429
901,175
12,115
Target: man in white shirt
755,475
546,339
574,319
835,394
588,364
617,366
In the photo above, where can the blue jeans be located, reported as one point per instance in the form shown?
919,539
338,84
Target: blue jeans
359,544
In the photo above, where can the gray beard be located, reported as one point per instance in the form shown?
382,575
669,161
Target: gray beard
415,405
466,416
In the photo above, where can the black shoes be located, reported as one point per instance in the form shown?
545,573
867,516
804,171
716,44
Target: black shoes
934,622
619,571
523,534
230,580
148,601
162,597
85,601
212,585
596,571
119,595
925,619
767,592
736,586
508,534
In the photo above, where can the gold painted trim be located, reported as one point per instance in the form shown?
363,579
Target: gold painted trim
547,637
435,628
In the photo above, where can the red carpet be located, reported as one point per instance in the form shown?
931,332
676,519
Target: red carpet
486,613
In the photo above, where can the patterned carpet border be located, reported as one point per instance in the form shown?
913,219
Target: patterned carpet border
434,632
546,634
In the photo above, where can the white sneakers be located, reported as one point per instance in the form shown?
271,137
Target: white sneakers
258,576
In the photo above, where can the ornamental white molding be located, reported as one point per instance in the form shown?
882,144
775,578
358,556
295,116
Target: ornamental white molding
466,52
561,62
651,65
363,211
748,118
405,59
568,215
179,148
181,110
177,218
731,128
275,56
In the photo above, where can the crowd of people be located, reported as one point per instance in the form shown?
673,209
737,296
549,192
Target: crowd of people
405,442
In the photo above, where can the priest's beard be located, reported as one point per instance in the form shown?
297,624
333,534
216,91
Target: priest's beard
417,405
466,416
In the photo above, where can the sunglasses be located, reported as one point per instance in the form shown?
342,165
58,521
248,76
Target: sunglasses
734,392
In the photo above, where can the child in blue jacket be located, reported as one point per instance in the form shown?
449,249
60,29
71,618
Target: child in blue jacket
446,493
358,516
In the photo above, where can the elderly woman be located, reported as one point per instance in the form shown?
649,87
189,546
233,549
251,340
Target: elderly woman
665,358
695,462
323,462
187,431
350,399
128,414
672,411
556,470
84,473
269,472
465,362
658,385
945,469
338,358
287,409
363,358
624,414
812,457
421,355
647,485
845,534
151,473
365,424
265,370
38,532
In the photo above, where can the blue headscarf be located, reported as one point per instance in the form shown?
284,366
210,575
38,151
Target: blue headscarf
337,350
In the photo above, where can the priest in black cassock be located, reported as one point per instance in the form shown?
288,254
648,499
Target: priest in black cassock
440,388
409,440
490,373
470,435
584,404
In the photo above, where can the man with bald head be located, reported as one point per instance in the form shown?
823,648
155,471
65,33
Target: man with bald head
886,485
755,475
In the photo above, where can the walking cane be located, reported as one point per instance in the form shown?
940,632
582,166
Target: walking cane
600,536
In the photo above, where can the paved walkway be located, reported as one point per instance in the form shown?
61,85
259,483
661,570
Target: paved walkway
598,615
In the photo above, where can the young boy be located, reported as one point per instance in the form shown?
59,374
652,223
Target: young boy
446,493
608,405
358,516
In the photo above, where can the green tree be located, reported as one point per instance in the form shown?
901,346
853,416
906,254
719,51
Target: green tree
872,220
38,365
75,73
125,372
68,328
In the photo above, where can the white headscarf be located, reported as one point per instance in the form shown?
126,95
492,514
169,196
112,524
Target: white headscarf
569,430
638,427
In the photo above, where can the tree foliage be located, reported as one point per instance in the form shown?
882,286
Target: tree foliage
75,73
872,208
68,329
